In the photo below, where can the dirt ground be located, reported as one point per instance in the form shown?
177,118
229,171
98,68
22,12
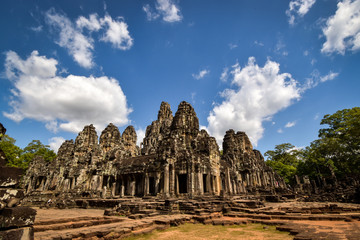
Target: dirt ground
205,232
53,213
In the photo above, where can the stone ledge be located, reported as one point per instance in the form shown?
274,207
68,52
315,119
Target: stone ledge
17,217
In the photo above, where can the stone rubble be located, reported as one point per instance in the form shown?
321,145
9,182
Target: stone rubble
16,222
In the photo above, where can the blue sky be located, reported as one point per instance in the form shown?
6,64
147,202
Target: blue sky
270,68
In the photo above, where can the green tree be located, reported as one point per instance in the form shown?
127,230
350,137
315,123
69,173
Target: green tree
337,151
17,157
12,152
315,164
284,160
36,148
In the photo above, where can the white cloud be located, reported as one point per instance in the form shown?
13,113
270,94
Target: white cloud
298,8
316,78
66,103
55,143
260,92
280,130
329,76
317,116
117,33
224,75
150,15
258,43
342,30
201,74
78,45
81,46
92,23
169,11
37,29
140,133
290,124
232,46
52,126
280,48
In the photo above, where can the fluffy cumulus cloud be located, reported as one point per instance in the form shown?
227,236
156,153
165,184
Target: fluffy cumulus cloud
298,8
92,23
81,45
201,74
66,103
117,33
258,94
169,11
342,30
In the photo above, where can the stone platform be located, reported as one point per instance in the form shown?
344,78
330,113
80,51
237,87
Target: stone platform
302,220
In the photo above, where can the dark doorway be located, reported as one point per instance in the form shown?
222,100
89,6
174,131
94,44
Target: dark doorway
118,186
205,186
151,185
182,183
223,182
39,181
126,185
105,181
70,183
111,181
139,187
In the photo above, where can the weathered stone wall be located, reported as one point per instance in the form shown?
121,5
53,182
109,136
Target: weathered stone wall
175,159
247,171
16,222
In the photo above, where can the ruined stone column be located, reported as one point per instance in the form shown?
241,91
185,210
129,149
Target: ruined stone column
146,185
234,187
166,180
228,182
132,186
172,180
218,184
157,183
122,187
113,188
192,185
177,184
201,185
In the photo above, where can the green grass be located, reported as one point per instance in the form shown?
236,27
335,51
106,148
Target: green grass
199,231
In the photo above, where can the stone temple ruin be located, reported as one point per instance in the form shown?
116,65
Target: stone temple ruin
177,175
176,159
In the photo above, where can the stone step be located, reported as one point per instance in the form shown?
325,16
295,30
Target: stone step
290,217
76,223
116,230
64,220
83,232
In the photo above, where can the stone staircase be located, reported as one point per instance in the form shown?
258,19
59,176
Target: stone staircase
103,227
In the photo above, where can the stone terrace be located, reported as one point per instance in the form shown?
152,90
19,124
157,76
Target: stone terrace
302,220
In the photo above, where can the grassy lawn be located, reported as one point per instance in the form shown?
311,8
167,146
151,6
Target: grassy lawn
199,231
